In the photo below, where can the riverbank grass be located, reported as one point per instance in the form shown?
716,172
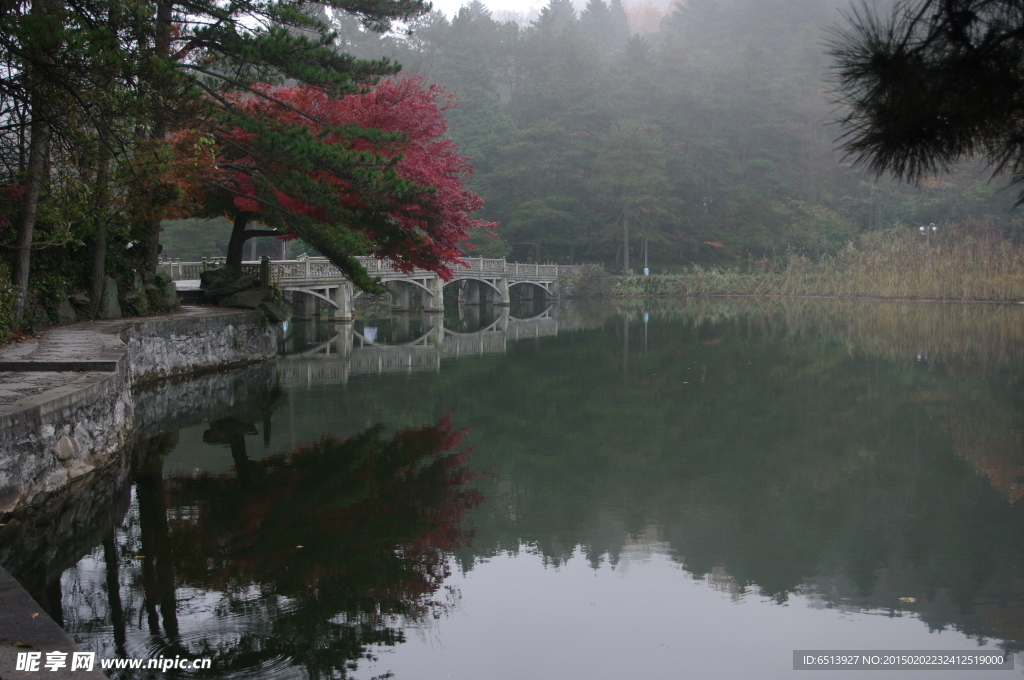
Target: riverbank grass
964,262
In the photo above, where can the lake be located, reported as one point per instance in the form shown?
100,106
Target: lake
650,488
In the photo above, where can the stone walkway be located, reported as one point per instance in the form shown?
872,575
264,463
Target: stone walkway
80,347
25,628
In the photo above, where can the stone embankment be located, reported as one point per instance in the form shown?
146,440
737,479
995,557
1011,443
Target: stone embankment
66,405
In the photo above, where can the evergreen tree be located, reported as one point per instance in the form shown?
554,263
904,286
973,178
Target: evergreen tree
557,16
596,23
71,102
619,30
630,173
934,83
374,174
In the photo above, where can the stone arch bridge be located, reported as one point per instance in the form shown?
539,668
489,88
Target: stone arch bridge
485,280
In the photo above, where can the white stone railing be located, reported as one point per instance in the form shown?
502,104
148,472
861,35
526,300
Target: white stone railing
312,268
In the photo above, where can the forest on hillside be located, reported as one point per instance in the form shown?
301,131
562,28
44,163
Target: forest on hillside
704,128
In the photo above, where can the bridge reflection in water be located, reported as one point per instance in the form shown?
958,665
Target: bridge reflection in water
403,343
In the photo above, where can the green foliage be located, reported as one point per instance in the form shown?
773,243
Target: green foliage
728,147
490,246
6,304
95,88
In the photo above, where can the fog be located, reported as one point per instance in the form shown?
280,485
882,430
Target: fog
701,132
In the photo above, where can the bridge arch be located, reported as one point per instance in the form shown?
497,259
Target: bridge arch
489,281
410,282
314,293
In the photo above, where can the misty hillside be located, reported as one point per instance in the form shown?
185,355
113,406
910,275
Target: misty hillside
706,125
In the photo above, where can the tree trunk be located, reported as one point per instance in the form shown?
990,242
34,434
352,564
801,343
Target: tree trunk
239,235
625,241
164,15
39,144
99,250
237,243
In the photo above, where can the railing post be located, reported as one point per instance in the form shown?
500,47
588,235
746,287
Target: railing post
307,267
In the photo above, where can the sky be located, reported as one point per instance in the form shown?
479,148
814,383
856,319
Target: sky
450,7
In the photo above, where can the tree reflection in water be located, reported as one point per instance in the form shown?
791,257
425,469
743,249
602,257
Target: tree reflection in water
307,559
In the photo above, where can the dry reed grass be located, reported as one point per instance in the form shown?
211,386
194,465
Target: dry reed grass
971,261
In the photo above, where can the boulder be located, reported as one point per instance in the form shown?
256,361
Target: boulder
249,299
135,300
217,277
171,294
232,287
66,313
80,300
275,311
110,308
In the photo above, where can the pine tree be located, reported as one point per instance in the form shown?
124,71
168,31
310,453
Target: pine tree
371,173
205,50
630,172
932,84
596,23
619,31
71,83
557,16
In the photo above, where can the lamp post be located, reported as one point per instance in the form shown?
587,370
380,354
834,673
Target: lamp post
928,231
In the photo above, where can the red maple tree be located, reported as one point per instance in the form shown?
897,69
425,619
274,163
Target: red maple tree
369,173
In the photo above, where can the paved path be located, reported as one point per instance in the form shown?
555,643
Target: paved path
64,354
25,628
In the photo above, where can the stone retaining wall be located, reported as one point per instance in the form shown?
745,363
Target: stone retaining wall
53,438
59,435
173,347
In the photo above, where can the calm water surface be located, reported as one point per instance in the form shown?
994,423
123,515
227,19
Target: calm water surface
656,490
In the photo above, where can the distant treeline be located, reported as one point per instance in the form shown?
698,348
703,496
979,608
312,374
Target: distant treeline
704,128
